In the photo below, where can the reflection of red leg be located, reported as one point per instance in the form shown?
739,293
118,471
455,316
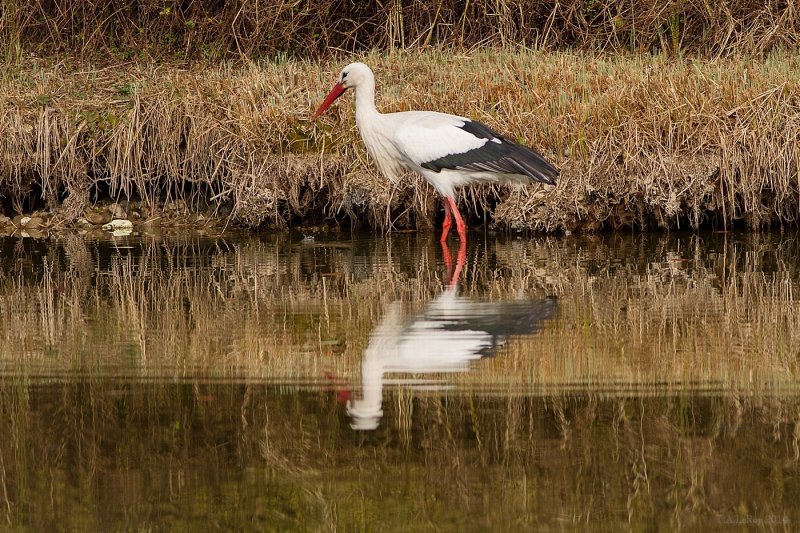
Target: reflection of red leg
460,225
448,220
448,258
461,259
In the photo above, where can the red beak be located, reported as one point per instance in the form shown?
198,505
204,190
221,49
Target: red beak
335,93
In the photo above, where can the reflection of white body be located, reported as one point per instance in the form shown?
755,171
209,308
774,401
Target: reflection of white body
451,332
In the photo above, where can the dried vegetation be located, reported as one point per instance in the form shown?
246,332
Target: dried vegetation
703,131
206,30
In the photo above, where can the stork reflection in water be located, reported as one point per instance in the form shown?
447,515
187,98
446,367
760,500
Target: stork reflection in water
447,336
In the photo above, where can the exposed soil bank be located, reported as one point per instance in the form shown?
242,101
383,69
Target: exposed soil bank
106,218
642,141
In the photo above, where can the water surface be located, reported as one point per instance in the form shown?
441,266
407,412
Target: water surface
362,383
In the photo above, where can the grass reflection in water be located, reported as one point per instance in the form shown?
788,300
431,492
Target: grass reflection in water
191,383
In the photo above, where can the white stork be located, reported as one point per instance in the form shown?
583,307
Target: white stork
447,150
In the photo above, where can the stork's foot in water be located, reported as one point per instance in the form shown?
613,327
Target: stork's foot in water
461,260
451,212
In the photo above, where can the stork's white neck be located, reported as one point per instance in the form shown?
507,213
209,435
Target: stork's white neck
365,101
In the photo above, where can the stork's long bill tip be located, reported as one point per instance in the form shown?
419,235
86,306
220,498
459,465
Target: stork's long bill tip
335,93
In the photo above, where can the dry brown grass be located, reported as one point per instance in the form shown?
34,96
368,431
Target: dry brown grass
642,141
204,30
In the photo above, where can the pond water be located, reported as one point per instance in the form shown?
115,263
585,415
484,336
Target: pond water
356,383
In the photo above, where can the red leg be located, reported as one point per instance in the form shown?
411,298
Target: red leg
460,225
448,221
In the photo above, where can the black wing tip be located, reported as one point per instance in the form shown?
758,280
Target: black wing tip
551,177
548,180
532,164
499,154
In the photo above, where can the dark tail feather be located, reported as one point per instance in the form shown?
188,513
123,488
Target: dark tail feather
532,164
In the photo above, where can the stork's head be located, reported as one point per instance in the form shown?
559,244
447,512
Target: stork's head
352,76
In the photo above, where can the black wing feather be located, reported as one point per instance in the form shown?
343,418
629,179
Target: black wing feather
499,154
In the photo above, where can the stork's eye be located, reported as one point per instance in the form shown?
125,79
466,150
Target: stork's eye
344,75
